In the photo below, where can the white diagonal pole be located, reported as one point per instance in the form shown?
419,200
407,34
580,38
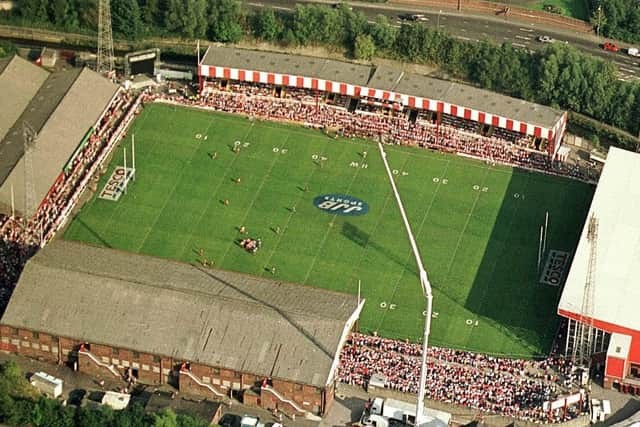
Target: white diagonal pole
546,227
540,247
133,155
125,169
426,288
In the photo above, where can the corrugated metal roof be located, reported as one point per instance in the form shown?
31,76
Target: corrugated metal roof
385,78
616,204
62,111
306,66
152,305
19,82
465,96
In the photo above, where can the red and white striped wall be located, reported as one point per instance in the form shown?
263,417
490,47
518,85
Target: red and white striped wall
553,135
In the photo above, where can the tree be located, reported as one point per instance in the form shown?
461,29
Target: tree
410,42
187,18
13,381
265,25
34,10
364,47
318,24
166,418
87,14
383,33
355,24
63,14
126,19
151,14
224,21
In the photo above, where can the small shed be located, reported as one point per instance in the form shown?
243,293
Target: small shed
48,385
115,400
377,381
48,57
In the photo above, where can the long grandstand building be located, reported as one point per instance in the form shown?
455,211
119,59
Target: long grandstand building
440,101
58,111
609,307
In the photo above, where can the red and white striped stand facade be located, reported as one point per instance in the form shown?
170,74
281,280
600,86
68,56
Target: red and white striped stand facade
552,135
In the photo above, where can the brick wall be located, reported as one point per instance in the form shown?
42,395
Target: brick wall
35,345
148,368
309,398
152,369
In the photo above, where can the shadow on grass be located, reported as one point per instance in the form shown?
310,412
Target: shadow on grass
506,290
363,239
92,232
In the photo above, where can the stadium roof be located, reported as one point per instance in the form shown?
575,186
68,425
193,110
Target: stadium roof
66,105
386,82
19,82
390,79
162,307
307,66
615,204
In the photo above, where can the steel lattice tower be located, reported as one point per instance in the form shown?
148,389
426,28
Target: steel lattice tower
583,350
104,61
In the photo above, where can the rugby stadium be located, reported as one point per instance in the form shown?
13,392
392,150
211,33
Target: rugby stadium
239,237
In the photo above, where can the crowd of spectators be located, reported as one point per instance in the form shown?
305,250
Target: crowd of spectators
19,237
380,122
510,387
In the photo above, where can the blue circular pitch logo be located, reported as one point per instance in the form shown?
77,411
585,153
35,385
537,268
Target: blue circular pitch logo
341,204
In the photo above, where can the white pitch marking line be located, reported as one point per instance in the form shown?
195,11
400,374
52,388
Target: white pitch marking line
518,44
523,38
528,30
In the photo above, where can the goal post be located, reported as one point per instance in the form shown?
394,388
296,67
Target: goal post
129,172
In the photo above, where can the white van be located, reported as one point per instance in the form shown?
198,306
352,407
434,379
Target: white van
633,51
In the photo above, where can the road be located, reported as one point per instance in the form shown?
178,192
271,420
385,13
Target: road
473,28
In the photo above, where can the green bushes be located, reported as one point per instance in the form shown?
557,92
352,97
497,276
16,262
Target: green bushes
21,405
558,75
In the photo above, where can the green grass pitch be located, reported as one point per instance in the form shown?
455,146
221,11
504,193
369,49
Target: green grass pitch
477,225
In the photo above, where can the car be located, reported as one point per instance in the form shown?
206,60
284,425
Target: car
339,5
230,420
250,421
545,39
611,47
633,51
413,17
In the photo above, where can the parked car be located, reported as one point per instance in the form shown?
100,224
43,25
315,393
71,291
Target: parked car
413,17
545,39
230,420
339,5
250,421
611,47
633,51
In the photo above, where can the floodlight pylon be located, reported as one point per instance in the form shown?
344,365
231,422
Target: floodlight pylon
426,289
104,60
